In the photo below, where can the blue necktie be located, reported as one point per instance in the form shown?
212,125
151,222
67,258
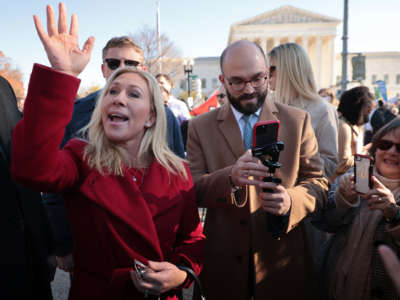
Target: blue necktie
247,131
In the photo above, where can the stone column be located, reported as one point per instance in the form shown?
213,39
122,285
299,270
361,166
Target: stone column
305,43
318,55
331,44
264,46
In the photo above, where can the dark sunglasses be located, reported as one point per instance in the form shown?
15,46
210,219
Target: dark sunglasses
222,96
386,145
114,63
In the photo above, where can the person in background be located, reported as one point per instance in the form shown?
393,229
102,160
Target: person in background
108,181
26,256
354,109
352,268
221,96
178,107
292,82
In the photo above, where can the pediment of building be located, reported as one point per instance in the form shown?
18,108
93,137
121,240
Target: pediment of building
287,15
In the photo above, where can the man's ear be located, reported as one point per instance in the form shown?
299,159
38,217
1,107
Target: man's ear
103,67
221,78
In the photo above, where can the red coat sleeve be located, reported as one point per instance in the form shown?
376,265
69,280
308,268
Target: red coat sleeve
36,159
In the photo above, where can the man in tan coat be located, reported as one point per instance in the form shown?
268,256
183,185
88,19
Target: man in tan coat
242,259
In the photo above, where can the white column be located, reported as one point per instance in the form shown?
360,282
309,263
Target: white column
264,46
275,42
305,43
331,44
318,54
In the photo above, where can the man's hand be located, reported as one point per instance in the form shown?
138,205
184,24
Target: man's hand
247,166
61,46
159,278
277,201
65,263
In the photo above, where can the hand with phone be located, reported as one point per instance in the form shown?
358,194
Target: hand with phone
157,277
380,197
277,200
247,165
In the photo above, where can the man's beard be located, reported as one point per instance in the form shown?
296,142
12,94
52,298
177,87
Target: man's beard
248,108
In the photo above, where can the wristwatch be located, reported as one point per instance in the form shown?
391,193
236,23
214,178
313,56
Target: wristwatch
234,188
394,214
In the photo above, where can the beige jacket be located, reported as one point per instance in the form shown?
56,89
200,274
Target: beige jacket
214,145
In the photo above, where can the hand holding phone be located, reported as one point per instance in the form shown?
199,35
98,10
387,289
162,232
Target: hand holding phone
140,268
363,165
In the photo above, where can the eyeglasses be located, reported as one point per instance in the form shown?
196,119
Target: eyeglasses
238,84
386,145
221,96
114,63
272,70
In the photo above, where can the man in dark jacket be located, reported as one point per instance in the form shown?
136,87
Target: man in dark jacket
118,52
24,228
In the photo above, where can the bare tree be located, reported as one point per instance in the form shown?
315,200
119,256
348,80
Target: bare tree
170,58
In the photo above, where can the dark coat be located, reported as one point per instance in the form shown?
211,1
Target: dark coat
26,239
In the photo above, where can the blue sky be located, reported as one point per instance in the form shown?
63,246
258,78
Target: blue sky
198,28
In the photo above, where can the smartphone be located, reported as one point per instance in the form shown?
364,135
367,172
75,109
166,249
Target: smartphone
265,133
140,268
363,165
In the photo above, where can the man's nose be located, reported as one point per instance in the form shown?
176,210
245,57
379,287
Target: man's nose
248,88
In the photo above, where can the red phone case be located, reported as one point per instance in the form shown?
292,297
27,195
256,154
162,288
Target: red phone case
263,123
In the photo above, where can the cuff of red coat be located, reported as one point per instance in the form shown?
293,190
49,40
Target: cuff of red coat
64,83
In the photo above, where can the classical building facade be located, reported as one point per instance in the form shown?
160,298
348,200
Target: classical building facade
316,34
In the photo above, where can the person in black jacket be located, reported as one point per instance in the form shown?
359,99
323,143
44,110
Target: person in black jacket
27,243
118,52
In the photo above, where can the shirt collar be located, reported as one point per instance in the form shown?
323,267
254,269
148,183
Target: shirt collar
238,115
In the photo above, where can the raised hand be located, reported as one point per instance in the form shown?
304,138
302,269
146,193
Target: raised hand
61,46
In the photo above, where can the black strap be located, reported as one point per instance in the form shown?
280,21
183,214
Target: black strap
196,279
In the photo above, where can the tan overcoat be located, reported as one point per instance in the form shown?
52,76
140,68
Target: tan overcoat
283,269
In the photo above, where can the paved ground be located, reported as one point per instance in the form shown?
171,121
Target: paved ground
60,287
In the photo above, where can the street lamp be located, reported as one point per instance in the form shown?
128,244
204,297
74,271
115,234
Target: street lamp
188,68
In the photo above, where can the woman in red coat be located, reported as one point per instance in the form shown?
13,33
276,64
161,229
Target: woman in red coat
127,195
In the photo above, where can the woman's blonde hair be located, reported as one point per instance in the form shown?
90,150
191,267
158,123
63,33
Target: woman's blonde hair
104,155
295,75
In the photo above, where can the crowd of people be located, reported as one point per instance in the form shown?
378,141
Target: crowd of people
109,187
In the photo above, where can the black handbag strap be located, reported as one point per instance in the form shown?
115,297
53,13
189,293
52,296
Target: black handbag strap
196,279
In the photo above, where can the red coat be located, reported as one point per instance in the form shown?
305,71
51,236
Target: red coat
114,219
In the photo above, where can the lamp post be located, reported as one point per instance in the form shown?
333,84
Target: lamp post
188,68
344,50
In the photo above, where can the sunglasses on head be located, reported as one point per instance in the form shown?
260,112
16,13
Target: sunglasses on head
386,145
114,63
